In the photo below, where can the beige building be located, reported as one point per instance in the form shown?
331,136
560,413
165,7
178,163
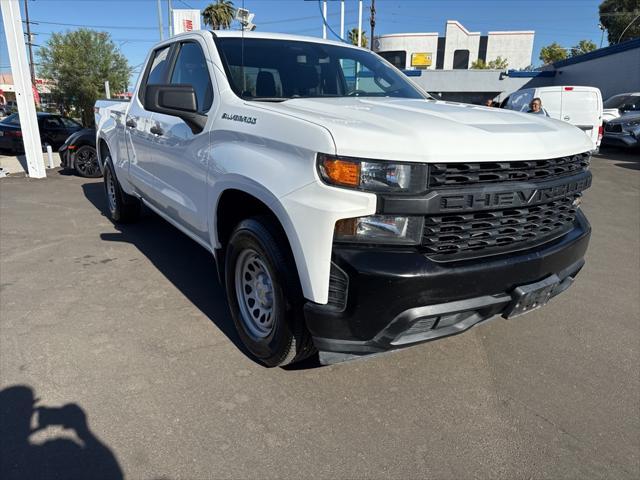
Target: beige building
457,49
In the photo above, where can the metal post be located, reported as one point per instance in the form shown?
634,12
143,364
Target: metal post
160,20
359,23
170,9
324,19
30,43
342,19
107,90
24,88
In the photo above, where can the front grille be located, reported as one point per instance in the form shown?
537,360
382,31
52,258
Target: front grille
613,127
468,235
473,173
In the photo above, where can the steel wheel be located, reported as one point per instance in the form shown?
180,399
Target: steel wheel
111,193
86,162
254,289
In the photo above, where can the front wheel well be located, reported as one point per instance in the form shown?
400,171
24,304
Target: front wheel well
233,207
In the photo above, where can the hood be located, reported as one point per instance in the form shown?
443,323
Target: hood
626,117
435,131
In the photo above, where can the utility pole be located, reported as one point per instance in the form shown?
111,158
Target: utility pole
372,20
170,9
324,19
30,43
342,19
359,23
159,20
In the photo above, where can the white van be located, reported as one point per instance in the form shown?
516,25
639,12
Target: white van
580,106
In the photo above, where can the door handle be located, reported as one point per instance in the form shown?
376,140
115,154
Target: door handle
131,123
156,130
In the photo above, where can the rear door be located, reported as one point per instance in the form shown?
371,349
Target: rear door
180,154
582,107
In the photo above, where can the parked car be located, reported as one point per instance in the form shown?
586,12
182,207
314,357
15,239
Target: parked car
54,130
579,106
346,209
621,104
78,153
623,131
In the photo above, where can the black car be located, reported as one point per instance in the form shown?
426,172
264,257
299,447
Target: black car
54,130
79,153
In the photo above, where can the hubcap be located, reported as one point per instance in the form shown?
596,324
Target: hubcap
254,290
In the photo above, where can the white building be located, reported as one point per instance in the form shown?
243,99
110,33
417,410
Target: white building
458,49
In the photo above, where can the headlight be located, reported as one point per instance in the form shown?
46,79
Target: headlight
380,229
373,176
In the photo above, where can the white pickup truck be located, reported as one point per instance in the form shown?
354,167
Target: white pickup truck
348,212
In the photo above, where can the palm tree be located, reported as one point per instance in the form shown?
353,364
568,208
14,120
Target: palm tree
353,37
219,15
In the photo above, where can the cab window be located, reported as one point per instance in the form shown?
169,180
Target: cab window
157,71
191,69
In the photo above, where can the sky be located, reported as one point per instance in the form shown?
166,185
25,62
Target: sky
133,24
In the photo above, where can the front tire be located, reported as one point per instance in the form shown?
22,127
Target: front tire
86,162
264,294
121,208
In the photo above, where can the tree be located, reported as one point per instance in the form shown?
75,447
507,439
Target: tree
78,63
583,46
553,53
353,37
617,15
219,15
498,64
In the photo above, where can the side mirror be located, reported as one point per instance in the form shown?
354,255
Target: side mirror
175,100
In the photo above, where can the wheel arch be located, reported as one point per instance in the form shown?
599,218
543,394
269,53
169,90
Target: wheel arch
241,198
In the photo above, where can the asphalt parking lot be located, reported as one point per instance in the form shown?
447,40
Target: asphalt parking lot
130,326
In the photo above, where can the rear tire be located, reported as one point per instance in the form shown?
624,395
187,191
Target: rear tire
121,207
86,162
264,294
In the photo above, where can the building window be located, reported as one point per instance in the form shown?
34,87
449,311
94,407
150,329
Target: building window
397,58
461,59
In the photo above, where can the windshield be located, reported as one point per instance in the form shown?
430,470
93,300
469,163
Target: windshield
277,70
621,100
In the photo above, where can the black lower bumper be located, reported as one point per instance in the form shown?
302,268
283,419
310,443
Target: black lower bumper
397,298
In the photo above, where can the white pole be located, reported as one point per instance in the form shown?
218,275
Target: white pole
359,23
324,19
169,10
50,156
23,87
107,91
160,20
342,19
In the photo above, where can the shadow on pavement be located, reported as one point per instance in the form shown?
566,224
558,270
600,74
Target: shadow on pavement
55,458
183,262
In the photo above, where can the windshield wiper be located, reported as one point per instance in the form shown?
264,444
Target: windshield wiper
266,99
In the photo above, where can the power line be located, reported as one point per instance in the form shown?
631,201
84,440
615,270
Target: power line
114,27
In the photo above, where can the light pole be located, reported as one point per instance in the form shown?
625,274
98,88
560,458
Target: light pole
601,27
160,20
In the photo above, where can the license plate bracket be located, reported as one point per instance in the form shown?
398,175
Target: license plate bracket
527,298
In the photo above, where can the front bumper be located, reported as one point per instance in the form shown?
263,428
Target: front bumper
625,139
397,298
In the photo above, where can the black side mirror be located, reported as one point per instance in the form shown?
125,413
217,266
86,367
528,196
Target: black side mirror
175,100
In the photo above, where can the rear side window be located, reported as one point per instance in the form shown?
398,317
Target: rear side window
191,69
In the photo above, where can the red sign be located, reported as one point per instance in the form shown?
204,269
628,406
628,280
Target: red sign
36,94
187,25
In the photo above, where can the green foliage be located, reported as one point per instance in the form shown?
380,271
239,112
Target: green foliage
78,63
498,64
583,46
617,15
219,15
353,37
553,53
